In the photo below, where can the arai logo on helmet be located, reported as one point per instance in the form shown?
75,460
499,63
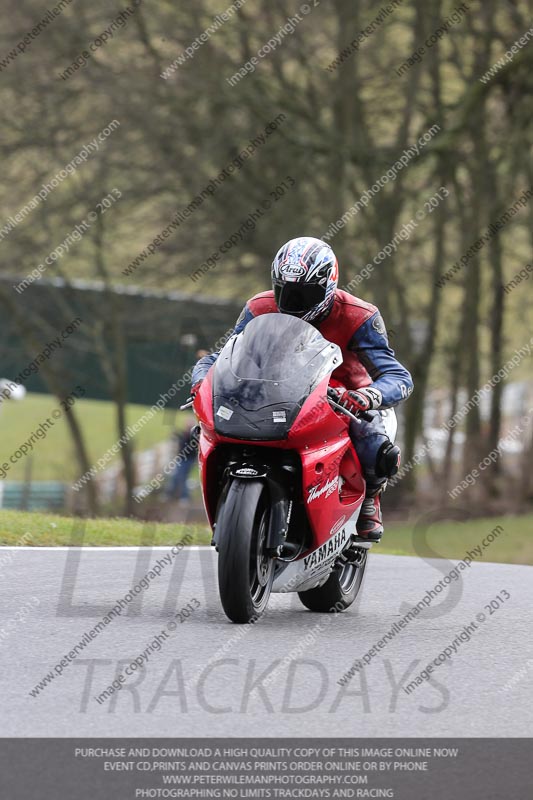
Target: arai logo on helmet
292,270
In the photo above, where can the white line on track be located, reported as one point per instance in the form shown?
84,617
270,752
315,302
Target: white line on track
90,549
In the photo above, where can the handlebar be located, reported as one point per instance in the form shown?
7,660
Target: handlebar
332,397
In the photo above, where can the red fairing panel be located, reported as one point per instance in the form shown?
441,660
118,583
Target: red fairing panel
322,439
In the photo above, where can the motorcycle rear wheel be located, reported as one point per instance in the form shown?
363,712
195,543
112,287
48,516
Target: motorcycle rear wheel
340,590
245,571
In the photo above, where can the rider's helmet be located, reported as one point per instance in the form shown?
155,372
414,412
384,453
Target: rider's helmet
304,278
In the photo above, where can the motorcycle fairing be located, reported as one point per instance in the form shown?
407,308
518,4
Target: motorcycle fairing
262,379
314,568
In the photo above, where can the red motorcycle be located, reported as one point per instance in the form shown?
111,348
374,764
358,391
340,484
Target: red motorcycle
281,482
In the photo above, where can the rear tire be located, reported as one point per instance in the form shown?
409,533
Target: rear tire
245,573
341,588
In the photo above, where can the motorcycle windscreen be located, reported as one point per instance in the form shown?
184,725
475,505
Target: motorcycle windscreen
263,376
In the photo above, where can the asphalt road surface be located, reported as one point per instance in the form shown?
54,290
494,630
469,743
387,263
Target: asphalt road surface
207,677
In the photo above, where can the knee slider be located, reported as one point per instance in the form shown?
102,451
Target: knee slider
388,460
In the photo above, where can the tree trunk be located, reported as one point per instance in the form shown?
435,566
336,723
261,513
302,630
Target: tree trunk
455,385
415,407
117,373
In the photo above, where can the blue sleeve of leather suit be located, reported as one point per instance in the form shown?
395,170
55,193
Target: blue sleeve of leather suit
204,364
371,346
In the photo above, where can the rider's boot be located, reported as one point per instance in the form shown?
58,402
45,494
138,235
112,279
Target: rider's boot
370,522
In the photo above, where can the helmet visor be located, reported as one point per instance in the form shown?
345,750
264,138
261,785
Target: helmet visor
298,298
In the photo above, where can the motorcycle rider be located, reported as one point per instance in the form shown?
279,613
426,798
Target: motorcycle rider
370,379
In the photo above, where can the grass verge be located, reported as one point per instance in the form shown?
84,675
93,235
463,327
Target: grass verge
47,530
52,457
512,545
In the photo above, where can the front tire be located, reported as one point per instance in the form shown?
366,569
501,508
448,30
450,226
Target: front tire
245,571
340,590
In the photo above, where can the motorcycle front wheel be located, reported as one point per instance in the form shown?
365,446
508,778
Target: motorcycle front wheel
245,570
